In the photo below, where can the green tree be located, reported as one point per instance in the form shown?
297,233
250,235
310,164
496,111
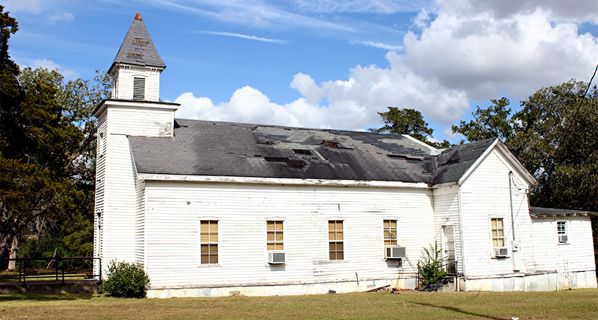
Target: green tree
555,136
47,153
410,122
491,122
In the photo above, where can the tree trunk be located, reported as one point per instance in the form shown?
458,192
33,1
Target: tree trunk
13,255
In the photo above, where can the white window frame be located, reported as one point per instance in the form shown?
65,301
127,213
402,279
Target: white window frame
564,232
336,240
492,237
396,238
199,242
275,233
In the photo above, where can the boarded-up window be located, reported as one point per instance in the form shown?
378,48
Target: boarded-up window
138,88
275,235
209,241
498,233
390,232
335,240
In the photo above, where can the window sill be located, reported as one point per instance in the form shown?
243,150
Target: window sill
324,262
211,265
563,243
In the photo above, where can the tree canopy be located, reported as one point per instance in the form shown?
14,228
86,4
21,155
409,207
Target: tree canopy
47,151
407,121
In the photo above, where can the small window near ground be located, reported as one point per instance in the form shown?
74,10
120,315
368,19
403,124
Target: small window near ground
335,240
275,235
561,229
138,88
209,242
498,233
390,233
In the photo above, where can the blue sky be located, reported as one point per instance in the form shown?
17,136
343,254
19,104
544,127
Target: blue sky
324,63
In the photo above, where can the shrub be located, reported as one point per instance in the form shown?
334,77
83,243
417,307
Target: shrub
430,268
127,280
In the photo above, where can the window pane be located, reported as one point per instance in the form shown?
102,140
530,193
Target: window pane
270,225
214,237
339,255
270,236
339,235
205,259
279,236
279,246
271,246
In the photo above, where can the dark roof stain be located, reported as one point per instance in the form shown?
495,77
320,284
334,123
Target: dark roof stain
246,150
138,48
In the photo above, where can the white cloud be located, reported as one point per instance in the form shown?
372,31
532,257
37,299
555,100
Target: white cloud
486,56
348,104
369,6
381,45
245,36
62,17
27,6
465,51
68,74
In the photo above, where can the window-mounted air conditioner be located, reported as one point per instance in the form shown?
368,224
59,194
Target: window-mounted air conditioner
394,252
563,238
276,257
501,252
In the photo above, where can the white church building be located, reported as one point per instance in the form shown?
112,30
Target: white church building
217,208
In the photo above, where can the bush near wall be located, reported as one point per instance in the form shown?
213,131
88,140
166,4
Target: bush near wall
126,280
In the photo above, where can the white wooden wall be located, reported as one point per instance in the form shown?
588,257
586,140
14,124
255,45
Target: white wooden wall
485,195
446,212
576,255
99,188
124,82
120,196
174,211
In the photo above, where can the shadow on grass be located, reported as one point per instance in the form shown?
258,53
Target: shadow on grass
458,310
43,297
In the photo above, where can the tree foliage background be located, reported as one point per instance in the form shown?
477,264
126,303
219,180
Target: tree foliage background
47,155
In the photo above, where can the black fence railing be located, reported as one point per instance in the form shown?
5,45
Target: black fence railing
59,269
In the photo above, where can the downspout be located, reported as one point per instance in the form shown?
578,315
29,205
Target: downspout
462,243
514,245
511,203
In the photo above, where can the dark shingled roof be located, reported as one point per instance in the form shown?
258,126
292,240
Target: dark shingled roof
538,212
138,48
247,150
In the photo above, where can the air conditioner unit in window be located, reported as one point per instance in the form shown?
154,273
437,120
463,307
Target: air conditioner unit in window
563,238
276,257
501,252
394,252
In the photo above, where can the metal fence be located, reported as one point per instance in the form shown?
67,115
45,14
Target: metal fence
56,269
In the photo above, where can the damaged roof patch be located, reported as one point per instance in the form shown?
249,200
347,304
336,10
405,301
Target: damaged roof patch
234,149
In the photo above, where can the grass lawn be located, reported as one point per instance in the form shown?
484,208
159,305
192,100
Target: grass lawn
573,304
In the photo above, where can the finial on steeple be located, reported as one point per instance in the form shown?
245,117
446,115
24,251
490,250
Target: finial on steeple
138,16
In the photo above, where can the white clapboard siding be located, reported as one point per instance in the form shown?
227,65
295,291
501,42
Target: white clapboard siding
576,255
141,121
174,211
124,82
99,185
446,213
485,195
120,202
140,221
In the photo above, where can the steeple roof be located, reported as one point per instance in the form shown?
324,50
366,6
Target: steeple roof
138,47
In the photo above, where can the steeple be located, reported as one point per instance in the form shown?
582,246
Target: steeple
137,66
138,48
